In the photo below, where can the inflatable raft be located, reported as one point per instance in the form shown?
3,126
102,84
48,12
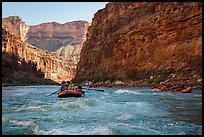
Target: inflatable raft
70,93
186,90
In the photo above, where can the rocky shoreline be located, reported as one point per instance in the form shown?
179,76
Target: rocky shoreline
18,81
125,84
33,84
116,84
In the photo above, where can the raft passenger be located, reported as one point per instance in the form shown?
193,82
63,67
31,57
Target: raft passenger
71,86
79,87
62,88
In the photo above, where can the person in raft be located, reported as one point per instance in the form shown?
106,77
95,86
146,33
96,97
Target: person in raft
66,85
62,88
71,85
79,87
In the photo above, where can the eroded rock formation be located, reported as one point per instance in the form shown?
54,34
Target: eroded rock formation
52,66
144,40
55,37
71,53
51,36
15,25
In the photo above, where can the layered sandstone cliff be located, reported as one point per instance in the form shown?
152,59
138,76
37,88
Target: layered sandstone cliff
55,37
15,25
52,66
51,36
71,53
144,40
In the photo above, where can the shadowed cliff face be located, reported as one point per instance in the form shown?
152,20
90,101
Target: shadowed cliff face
52,67
51,36
139,40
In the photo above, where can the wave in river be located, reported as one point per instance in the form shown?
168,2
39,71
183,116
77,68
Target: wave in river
38,131
64,104
125,116
75,130
32,107
102,130
122,91
21,123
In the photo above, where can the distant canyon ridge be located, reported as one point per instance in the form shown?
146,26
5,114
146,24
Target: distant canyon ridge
58,46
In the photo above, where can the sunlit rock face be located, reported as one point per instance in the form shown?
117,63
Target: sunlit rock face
51,36
71,53
146,38
15,25
54,67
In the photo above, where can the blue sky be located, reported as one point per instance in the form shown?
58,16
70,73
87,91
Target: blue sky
34,13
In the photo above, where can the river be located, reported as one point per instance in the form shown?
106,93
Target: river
29,110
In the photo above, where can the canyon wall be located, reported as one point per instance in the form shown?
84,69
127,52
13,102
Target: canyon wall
51,36
15,25
71,53
144,41
53,67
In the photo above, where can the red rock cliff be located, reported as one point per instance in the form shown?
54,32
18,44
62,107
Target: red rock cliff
15,25
142,40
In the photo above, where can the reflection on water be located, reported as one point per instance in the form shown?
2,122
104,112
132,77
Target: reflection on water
28,110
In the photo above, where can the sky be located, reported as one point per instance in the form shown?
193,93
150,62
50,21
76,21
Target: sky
34,13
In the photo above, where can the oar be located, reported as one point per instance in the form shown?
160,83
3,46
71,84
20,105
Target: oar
53,93
101,90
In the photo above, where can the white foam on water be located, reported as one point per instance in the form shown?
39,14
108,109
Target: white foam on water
31,107
197,95
37,131
21,108
21,123
138,127
122,91
145,108
20,94
101,130
4,118
124,117
170,124
127,125
79,103
70,130
141,104
36,101
138,104
181,133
